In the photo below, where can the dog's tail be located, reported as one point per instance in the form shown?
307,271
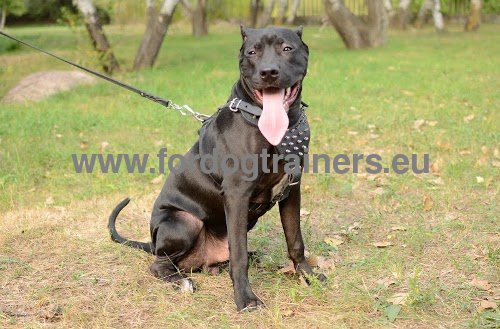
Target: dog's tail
117,237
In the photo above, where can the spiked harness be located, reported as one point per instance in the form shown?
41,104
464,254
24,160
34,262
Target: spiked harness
294,145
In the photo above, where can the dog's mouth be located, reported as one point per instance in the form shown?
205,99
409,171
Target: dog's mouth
275,102
289,96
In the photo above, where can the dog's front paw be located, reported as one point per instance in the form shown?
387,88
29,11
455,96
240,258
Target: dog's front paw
248,303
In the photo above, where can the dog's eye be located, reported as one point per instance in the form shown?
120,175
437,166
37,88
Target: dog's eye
287,48
252,52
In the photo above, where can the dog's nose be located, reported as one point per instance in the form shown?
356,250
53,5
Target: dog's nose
269,73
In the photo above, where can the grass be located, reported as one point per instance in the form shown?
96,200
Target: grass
58,267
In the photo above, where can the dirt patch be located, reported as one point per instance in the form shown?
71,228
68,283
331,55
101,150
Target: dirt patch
40,85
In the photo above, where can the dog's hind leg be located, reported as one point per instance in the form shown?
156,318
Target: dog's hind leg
174,234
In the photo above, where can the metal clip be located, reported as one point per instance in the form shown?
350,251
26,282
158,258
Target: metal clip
235,109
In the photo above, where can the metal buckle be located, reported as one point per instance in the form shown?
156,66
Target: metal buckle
235,108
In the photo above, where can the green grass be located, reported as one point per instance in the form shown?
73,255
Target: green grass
360,102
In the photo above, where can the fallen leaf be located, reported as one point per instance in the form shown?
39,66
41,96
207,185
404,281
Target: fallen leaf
385,282
496,153
443,145
104,145
371,127
49,201
288,269
437,181
307,188
374,136
391,312
495,163
334,242
398,228
469,118
398,298
485,150
407,92
418,123
58,135
84,145
428,203
352,133
378,191
326,263
304,212
480,284
464,152
487,305
479,179
436,165
431,123
382,244
159,143
157,180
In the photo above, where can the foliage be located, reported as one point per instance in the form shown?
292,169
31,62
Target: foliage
14,7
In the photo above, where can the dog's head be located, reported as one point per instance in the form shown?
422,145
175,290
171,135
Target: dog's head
273,63
273,59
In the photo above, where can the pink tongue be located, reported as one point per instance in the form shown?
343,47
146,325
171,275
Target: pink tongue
273,122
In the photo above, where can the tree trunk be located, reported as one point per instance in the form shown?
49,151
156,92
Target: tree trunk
99,40
151,18
283,6
293,12
265,18
156,30
199,19
4,16
355,32
254,12
401,18
474,18
435,7
437,16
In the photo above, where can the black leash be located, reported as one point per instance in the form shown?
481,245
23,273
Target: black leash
156,99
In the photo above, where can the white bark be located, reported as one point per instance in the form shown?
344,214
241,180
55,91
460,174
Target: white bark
437,15
293,11
4,16
404,4
87,8
168,7
388,8
283,6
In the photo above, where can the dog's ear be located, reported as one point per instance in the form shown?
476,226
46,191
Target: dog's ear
244,32
299,31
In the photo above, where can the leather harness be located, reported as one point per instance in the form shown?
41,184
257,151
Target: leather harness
294,145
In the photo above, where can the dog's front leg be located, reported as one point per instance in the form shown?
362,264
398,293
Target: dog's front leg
290,220
236,208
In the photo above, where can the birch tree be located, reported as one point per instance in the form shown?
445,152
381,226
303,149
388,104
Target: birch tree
265,18
283,6
357,32
198,15
255,6
14,7
156,29
401,18
99,39
474,18
293,12
435,7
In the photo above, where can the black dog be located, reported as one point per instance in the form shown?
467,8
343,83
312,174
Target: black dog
201,219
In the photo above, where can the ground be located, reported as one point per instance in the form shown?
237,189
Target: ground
422,93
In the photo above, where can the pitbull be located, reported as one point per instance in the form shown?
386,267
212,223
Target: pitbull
201,219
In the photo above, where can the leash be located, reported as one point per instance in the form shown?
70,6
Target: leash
184,109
